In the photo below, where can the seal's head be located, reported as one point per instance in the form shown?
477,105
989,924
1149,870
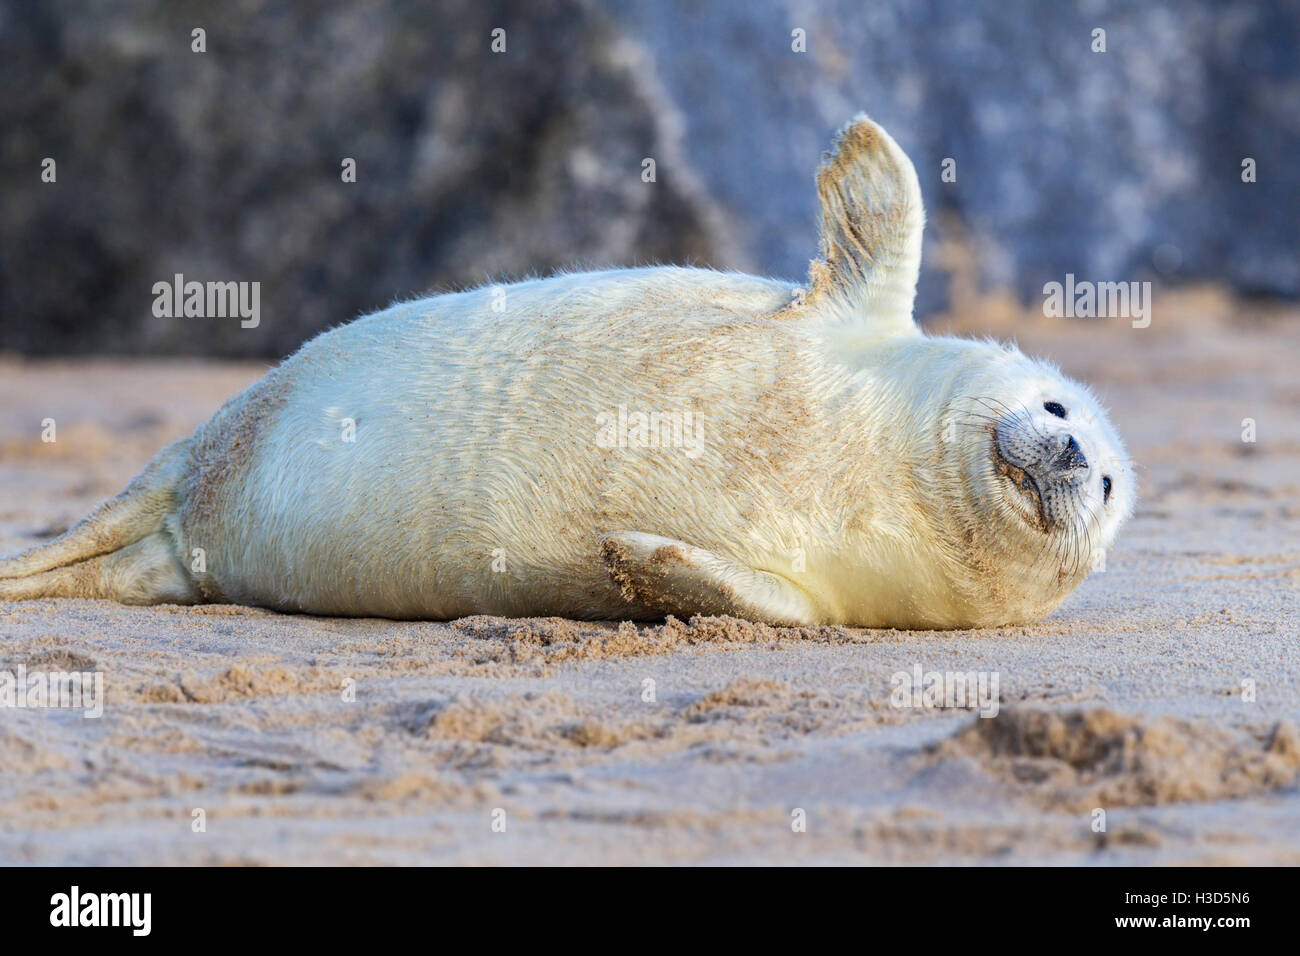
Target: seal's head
1011,482
1045,468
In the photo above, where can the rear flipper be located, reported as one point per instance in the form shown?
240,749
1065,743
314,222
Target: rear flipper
119,551
146,572
682,580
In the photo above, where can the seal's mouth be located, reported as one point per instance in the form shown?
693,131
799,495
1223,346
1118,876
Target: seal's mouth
1025,487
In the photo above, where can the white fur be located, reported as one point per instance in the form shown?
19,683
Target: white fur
477,431
845,472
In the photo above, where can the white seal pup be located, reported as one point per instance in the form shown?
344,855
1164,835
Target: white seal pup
631,444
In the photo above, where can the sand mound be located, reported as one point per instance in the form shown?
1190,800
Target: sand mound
22,755
540,643
732,723
60,659
1098,758
746,692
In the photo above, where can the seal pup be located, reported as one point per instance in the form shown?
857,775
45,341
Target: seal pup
635,443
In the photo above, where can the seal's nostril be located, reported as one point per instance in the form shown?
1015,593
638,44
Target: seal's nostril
1072,456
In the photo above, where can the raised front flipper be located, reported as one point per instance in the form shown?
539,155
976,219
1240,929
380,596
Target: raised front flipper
682,580
872,221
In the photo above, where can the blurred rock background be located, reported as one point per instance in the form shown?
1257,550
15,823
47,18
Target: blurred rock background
475,166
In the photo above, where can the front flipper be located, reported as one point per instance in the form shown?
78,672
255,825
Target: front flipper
682,580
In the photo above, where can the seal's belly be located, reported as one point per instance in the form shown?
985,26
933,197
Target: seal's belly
455,460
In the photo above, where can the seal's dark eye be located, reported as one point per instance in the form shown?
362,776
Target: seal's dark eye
1056,408
1105,489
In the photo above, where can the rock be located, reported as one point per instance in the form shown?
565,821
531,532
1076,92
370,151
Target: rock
226,165
1116,166
475,166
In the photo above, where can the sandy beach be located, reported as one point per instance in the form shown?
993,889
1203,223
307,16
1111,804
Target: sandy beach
309,740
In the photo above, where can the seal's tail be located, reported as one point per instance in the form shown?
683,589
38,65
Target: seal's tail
117,551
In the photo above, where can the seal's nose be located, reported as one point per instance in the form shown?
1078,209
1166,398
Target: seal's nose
1071,456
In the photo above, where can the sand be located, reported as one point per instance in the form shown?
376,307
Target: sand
309,740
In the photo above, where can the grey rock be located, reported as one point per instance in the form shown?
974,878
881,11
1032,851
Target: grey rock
475,166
